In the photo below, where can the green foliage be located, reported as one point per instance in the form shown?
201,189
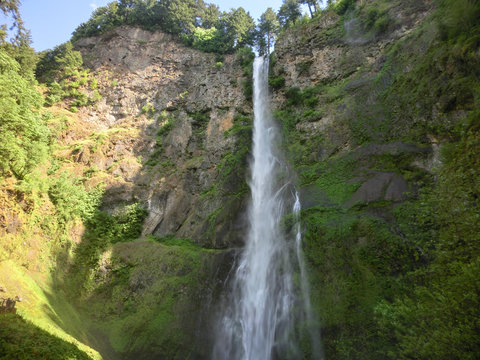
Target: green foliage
332,177
230,163
297,97
61,70
342,6
71,200
245,57
289,13
276,82
353,259
53,64
25,136
208,40
242,127
145,307
22,340
148,109
166,125
442,292
103,230
103,19
199,24
459,19
267,31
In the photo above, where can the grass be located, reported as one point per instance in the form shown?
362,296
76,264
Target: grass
45,309
22,340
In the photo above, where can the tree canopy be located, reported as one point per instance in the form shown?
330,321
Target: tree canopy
268,27
199,24
25,135
289,12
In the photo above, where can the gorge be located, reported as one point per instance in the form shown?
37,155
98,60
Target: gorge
165,195
259,320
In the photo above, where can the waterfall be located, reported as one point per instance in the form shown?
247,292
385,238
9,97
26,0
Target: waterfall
259,315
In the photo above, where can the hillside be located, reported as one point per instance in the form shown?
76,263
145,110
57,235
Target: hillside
124,183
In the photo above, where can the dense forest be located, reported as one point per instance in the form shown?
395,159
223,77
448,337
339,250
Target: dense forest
391,279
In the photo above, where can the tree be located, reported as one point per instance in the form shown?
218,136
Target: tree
267,30
10,8
57,63
210,14
240,27
311,4
25,136
103,19
180,16
289,13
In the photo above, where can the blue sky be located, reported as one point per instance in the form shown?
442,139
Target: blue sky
52,22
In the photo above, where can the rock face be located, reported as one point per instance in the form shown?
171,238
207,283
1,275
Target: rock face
361,114
165,111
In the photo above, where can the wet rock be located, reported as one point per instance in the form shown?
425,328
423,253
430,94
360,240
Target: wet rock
382,186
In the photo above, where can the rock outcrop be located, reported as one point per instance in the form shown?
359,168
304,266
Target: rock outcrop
165,111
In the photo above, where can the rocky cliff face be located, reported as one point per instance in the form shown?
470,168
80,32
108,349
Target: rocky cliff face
171,134
374,107
166,113
365,103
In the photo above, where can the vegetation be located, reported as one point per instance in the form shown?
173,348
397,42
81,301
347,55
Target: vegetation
22,340
25,136
394,280
390,278
61,69
268,27
200,25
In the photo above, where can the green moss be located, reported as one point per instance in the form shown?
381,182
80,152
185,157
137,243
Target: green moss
167,122
102,230
352,258
332,177
149,307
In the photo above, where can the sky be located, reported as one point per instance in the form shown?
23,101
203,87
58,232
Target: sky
52,22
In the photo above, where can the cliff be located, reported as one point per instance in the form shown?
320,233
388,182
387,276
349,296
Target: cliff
122,240
166,146
371,105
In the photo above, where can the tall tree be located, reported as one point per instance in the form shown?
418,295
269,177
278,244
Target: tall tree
10,8
209,14
180,16
25,135
268,27
289,12
312,4
240,27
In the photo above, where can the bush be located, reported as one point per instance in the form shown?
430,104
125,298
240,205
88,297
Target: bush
342,6
71,200
276,82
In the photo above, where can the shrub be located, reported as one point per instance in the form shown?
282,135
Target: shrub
276,82
24,134
342,6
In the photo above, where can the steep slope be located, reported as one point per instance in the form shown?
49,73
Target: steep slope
120,239
379,107
160,157
190,103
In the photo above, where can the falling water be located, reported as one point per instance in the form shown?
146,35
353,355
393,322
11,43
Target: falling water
312,328
258,322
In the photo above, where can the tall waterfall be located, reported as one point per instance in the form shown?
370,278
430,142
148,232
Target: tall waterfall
261,310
